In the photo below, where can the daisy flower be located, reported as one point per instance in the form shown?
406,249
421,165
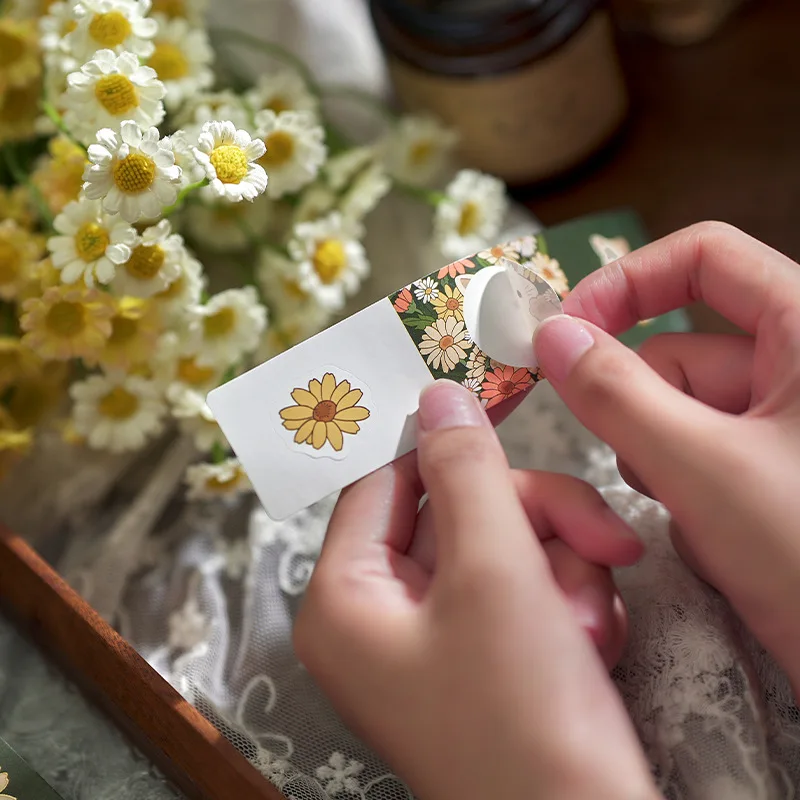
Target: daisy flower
504,382
426,290
449,303
135,328
332,262
192,10
283,89
212,481
181,59
108,90
341,169
228,157
364,194
154,263
183,147
67,322
292,328
471,213
417,149
91,244
231,324
19,251
184,292
19,111
473,384
444,344
59,175
54,30
223,227
549,269
117,25
295,149
175,365
205,106
525,246
195,418
494,254
20,63
117,413
132,172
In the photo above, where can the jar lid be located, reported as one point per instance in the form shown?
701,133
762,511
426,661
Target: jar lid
475,36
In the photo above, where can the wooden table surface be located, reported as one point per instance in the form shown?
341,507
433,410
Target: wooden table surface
714,133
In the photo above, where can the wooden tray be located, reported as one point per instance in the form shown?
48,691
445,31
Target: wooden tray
184,745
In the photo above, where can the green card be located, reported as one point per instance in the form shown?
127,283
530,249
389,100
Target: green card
583,245
18,780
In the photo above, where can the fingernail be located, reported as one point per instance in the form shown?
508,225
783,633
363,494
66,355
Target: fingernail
559,342
446,404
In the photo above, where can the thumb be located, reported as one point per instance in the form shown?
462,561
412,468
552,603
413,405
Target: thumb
650,424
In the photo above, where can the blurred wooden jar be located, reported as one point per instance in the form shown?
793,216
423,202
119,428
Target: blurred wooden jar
532,86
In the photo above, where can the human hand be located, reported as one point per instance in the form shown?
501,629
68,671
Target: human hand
443,638
707,424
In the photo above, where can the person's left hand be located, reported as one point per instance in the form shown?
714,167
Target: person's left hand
454,640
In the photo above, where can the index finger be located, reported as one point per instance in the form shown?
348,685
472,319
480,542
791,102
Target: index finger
733,273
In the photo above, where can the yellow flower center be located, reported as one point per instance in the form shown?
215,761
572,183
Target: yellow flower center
329,260
189,372
134,173
123,329
230,162
470,219
10,262
219,324
175,289
145,261
420,152
119,404
169,62
116,94
324,411
66,319
280,149
169,8
215,484
68,26
12,47
110,29
91,241
278,104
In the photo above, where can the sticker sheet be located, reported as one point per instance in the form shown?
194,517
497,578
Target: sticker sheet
336,407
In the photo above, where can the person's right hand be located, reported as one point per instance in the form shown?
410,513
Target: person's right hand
707,424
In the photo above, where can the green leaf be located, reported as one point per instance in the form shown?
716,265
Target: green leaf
541,244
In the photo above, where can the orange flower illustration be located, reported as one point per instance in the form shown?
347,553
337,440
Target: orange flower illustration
403,300
324,413
504,382
456,268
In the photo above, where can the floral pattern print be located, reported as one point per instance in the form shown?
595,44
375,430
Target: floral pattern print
324,412
432,311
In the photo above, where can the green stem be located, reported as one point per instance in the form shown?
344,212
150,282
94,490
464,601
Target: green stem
281,53
52,114
218,454
182,195
18,174
429,196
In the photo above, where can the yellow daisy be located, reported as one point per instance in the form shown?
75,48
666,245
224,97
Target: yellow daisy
67,322
449,303
324,412
135,328
16,361
15,204
19,53
34,396
20,250
59,176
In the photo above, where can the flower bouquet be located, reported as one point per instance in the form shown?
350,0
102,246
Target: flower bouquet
166,224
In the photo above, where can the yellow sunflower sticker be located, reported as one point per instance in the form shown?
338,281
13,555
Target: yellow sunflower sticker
324,412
